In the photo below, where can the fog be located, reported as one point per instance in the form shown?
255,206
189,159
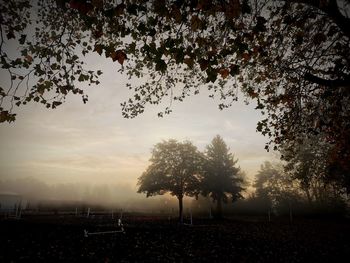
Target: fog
121,196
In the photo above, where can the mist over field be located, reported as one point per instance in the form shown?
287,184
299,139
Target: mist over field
35,192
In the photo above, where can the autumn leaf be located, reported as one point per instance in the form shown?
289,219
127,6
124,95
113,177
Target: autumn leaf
74,4
118,55
224,72
98,33
252,93
323,4
160,7
97,3
195,23
245,57
189,62
119,10
98,49
82,7
233,9
286,98
212,53
203,63
176,14
199,5
29,58
86,8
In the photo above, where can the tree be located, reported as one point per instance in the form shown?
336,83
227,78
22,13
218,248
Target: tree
221,179
262,184
275,188
175,169
305,165
291,57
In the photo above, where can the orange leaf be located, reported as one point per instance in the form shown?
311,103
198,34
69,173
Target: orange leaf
29,58
118,55
246,56
224,72
98,49
253,94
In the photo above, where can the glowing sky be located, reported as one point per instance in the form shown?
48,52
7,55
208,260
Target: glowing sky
92,143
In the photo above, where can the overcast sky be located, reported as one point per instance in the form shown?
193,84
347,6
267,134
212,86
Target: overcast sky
92,143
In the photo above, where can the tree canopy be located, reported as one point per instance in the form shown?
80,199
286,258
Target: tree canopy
174,168
306,165
291,57
301,185
274,187
221,179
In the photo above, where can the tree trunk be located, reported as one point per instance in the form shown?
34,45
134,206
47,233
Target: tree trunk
219,207
307,191
180,209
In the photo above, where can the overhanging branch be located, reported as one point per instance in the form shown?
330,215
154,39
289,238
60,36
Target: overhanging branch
331,9
335,83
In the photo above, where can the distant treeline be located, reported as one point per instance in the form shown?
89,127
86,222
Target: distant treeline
301,183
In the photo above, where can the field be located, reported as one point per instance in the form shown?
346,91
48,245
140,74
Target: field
55,238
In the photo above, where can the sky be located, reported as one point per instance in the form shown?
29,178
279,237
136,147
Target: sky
93,144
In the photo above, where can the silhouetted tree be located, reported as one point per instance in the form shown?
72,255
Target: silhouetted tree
305,164
262,184
275,188
221,179
175,169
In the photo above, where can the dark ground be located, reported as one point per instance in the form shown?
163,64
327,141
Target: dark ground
149,239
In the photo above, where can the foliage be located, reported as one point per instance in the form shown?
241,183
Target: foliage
300,184
46,66
175,169
274,187
308,165
221,179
